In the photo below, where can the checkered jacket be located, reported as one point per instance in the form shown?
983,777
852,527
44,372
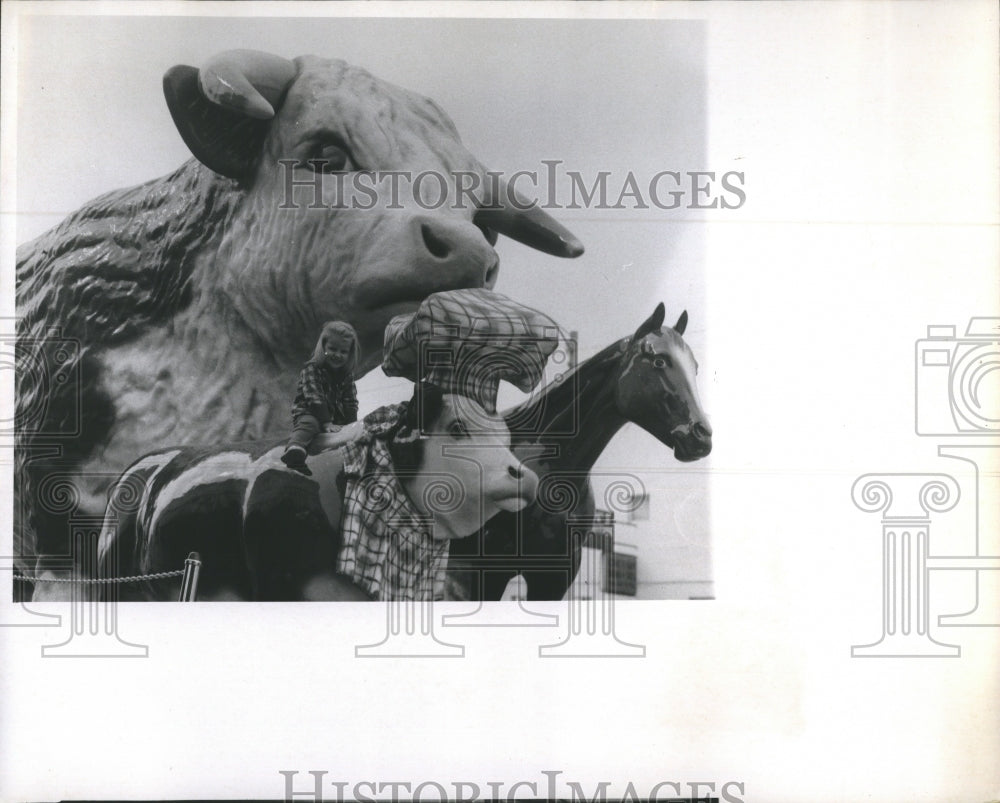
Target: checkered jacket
328,394
387,545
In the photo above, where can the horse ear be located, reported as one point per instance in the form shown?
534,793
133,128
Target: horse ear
651,324
682,323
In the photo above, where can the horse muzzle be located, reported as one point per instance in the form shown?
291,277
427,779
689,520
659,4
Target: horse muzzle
691,441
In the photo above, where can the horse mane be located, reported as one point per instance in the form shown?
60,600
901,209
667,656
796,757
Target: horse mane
119,265
556,400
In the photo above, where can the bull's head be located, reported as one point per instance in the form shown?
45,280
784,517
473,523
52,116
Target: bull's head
336,223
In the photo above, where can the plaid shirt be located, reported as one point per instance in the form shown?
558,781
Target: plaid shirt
387,545
466,341
326,393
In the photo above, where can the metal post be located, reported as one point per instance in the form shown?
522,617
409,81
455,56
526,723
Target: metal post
189,583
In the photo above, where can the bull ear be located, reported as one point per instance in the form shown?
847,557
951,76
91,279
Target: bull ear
652,324
222,140
682,323
223,115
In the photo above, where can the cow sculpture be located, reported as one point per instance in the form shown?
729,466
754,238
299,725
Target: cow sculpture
647,379
178,311
266,532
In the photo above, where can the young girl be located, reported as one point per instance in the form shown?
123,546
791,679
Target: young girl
326,397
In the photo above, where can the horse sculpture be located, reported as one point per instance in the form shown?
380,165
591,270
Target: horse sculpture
265,532
647,379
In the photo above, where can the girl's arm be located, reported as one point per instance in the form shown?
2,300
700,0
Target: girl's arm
310,398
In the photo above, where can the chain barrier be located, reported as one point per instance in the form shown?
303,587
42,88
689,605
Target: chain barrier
134,579
189,583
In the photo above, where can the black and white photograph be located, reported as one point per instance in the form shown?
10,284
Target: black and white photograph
500,401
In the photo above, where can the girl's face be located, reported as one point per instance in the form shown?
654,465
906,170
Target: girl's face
336,349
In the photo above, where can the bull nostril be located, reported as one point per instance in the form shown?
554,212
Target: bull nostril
515,472
701,430
491,273
437,246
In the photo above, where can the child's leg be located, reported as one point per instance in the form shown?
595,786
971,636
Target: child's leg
305,428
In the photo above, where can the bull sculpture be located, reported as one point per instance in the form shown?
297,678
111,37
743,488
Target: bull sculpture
266,532
178,311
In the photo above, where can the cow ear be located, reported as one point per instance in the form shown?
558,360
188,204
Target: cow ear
411,420
423,408
682,323
223,140
428,401
651,324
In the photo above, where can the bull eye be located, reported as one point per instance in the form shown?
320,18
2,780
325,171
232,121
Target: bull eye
660,362
329,159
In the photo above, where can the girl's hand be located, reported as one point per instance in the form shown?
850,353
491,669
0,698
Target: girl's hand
330,427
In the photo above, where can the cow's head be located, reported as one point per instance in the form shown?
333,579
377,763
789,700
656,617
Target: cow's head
460,469
337,222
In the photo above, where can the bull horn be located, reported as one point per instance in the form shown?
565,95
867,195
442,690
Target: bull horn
506,212
682,323
222,111
247,81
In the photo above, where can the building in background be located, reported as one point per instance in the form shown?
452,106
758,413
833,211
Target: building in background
638,555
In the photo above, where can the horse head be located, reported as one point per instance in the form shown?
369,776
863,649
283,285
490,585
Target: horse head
656,387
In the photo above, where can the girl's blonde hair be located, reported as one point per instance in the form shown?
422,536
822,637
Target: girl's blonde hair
346,331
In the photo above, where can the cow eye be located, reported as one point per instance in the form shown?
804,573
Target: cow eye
458,430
